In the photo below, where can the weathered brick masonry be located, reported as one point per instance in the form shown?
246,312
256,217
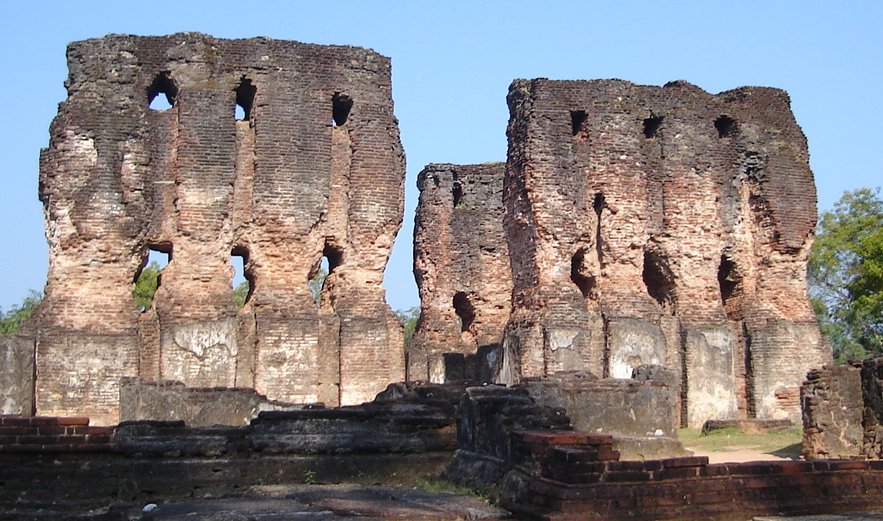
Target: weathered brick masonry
662,225
314,168
540,468
843,411
461,263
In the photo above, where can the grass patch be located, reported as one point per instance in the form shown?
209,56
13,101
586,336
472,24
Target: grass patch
783,443
440,486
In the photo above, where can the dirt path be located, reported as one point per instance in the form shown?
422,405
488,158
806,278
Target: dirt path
738,455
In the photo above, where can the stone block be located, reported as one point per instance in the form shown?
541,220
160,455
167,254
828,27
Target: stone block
16,374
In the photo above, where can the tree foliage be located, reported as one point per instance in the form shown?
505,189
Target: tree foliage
146,286
240,293
12,320
317,282
846,274
409,318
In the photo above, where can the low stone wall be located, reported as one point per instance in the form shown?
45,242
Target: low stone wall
406,435
529,458
613,405
196,406
584,480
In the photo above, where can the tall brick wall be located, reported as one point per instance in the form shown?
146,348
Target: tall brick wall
314,168
662,225
461,263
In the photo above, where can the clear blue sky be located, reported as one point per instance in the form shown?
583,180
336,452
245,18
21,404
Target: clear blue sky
452,64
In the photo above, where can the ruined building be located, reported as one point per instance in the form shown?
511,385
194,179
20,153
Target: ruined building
278,152
658,226
662,225
461,263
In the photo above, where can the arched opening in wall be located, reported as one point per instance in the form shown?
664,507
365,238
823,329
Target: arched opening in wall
245,94
341,104
730,281
659,280
578,123
332,257
148,278
464,309
651,126
583,281
457,194
725,125
162,84
243,279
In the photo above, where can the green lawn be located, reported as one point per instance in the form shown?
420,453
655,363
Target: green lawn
785,443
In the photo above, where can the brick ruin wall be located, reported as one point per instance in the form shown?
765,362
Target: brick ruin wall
662,225
843,411
313,169
461,264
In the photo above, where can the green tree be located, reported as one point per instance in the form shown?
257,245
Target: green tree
240,293
11,321
317,282
409,319
146,286
846,274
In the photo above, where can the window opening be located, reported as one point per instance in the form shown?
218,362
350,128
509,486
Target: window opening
332,257
245,94
659,280
148,278
651,126
457,193
585,283
464,309
341,104
730,283
598,204
162,84
725,126
243,280
577,121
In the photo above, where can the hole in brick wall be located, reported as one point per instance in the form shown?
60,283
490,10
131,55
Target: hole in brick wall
730,281
317,278
332,257
162,84
577,121
245,94
651,126
725,126
598,204
148,278
585,283
243,278
464,309
457,193
659,280
341,104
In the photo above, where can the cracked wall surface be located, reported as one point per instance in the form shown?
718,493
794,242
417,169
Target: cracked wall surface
662,225
461,264
311,168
